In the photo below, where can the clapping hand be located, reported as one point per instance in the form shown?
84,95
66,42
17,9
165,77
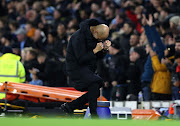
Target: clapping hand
98,48
107,44
146,21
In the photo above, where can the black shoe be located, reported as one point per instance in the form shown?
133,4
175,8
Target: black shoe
66,109
94,116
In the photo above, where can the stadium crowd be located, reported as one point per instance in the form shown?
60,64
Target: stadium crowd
144,56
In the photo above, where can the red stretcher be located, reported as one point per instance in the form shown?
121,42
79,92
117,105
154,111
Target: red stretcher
37,94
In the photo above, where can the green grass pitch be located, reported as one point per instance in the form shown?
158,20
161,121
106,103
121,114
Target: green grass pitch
82,122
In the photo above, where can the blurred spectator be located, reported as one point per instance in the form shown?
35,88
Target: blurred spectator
51,47
36,80
61,38
143,39
168,38
16,48
23,54
37,6
175,71
20,11
174,22
57,18
134,41
22,39
51,71
134,14
109,13
32,16
6,40
11,67
155,44
176,78
13,25
164,14
135,69
124,38
117,66
174,5
177,44
117,22
30,30
161,83
30,62
95,7
39,39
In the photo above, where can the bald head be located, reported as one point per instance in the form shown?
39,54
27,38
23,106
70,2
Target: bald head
100,32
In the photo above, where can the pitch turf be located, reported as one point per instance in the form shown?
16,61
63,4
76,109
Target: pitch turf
82,122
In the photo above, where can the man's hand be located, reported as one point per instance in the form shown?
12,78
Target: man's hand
145,21
150,21
107,44
165,61
98,48
152,53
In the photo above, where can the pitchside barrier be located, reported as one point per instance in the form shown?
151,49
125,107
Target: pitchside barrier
145,110
141,105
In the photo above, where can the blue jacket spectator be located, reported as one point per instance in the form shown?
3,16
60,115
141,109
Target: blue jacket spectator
153,37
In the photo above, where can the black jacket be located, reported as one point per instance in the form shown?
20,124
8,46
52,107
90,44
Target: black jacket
28,65
134,73
81,62
80,48
118,66
53,74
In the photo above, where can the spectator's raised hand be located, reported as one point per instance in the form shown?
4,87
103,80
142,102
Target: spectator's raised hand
144,20
150,21
77,6
165,61
152,53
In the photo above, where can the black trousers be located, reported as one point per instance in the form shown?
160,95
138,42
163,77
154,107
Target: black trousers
89,97
86,80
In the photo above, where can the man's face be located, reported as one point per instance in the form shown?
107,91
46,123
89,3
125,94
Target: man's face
61,30
29,56
28,27
41,59
126,28
20,37
163,14
177,46
133,40
56,14
50,39
134,56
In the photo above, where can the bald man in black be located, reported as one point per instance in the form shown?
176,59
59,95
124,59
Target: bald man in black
86,46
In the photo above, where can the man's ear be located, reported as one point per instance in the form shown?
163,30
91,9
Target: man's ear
95,34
